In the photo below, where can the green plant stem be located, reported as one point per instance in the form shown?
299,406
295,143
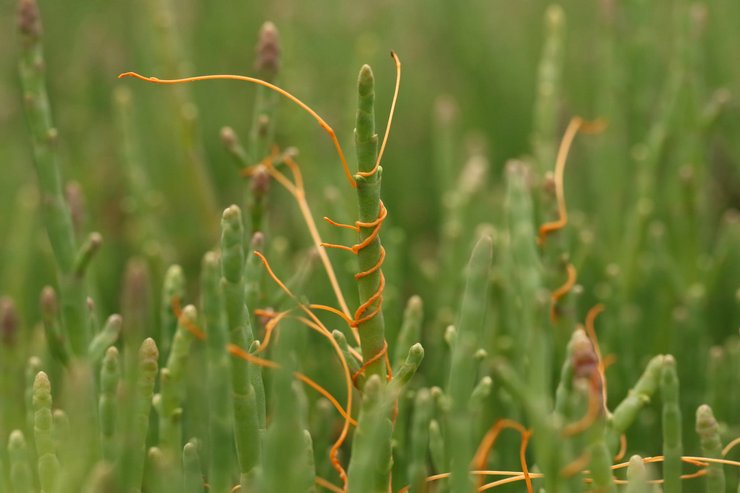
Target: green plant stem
172,385
370,463
463,367
284,440
132,467
549,86
110,377
48,462
219,376
192,478
20,468
57,217
672,443
105,338
410,331
244,395
711,445
417,468
173,290
637,476
372,332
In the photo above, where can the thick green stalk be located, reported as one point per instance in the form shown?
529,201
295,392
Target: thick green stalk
132,466
172,385
192,478
437,451
262,132
173,291
20,468
417,469
352,363
48,463
219,376
463,367
49,305
372,331
54,206
672,443
711,445
410,331
406,370
105,338
549,75
626,411
637,476
33,366
370,463
284,458
310,468
101,479
244,395
110,377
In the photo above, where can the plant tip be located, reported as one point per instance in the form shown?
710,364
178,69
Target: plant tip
29,22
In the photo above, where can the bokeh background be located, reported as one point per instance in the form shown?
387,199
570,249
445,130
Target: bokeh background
663,75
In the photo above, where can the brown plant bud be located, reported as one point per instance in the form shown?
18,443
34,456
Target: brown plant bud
8,321
29,21
267,61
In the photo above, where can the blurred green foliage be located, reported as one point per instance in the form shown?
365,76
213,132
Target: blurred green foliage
653,200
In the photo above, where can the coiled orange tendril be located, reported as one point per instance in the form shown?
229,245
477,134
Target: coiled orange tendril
562,291
484,449
577,124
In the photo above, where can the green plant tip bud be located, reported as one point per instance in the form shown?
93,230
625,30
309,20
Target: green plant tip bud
366,81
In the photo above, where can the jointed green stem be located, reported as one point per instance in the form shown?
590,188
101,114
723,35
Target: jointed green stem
372,331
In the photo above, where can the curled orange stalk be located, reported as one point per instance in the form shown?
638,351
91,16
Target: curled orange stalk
562,291
481,455
334,451
576,124
253,80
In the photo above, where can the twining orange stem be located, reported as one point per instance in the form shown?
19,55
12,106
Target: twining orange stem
520,475
177,310
297,190
562,291
730,446
390,119
327,485
334,451
263,83
591,332
575,125
622,448
376,299
481,456
576,466
595,409
378,295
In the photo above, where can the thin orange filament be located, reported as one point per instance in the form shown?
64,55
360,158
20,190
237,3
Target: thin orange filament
622,448
730,446
560,292
296,189
514,476
177,310
595,409
576,466
372,306
327,485
272,87
366,174
489,439
315,322
575,125
591,332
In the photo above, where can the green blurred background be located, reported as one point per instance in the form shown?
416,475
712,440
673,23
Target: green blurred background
469,89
